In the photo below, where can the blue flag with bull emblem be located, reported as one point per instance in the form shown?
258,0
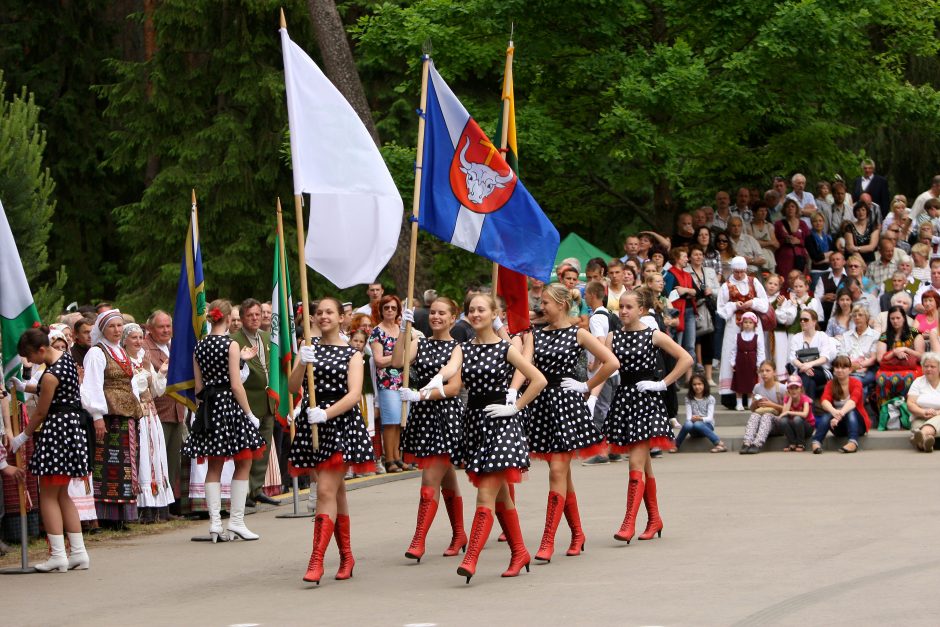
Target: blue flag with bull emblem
470,196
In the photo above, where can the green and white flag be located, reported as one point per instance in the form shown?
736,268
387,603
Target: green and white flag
283,340
17,310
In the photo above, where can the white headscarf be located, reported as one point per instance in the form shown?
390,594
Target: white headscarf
101,323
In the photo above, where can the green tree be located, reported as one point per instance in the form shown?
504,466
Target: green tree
26,188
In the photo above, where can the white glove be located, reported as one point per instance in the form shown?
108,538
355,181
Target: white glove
591,402
408,315
410,396
436,383
497,324
512,395
254,421
308,354
500,411
316,416
574,385
142,381
19,385
651,386
18,441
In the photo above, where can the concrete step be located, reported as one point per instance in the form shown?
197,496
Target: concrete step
733,437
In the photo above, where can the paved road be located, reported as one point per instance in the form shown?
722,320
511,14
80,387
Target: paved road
771,539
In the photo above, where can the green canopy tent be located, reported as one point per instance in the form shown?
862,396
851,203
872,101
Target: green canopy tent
576,246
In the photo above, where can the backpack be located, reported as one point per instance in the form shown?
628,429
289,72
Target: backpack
613,320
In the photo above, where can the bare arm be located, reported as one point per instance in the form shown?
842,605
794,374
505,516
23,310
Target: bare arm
235,377
602,355
537,381
683,359
528,352
42,408
398,352
379,358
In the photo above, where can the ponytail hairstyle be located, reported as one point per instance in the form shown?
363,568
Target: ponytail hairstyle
647,298
32,340
218,311
559,293
451,305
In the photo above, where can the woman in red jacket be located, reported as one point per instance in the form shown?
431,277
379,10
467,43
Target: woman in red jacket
843,405
679,280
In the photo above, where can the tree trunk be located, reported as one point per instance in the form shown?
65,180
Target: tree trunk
338,60
150,49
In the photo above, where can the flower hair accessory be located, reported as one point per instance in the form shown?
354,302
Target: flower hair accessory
215,315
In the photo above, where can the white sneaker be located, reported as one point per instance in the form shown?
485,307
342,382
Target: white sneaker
739,406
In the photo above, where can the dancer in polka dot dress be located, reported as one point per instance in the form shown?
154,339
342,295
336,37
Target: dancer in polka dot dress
561,422
637,420
224,427
434,429
61,450
343,439
494,446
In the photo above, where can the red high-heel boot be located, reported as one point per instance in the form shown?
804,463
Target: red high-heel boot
454,506
479,532
427,508
553,511
654,525
322,532
519,557
634,498
512,497
346,560
578,540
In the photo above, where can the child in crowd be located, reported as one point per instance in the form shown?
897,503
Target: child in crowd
767,403
359,340
778,341
796,419
700,415
746,353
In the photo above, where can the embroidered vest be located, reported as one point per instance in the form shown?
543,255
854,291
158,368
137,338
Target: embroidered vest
117,388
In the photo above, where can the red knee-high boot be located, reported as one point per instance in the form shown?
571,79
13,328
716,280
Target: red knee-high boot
427,508
512,495
553,512
573,517
479,532
519,556
346,560
654,525
454,506
634,498
322,532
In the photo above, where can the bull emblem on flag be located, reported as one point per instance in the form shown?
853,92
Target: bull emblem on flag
479,176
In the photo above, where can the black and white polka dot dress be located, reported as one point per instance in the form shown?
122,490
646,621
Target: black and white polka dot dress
434,428
636,416
559,421
232,436
61,447
343,439
490,444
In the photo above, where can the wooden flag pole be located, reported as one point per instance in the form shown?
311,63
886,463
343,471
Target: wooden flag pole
504,130
415,209
305,298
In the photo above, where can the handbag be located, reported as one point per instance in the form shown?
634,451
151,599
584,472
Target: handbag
704,323
807,354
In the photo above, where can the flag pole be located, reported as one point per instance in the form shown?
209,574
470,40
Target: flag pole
16,416
305,298
285,318
504,130
415,208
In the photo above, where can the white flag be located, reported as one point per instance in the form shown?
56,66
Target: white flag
17,311
355,208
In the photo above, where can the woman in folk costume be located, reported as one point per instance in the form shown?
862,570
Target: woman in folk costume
561,420
494,448
343,439
154,492
61,449
638,420
108,395
431,438
223,427
739,294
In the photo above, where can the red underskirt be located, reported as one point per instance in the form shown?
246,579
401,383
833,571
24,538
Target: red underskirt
661,442
334,462
509,475
54,480
427,462
245,453
584,453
